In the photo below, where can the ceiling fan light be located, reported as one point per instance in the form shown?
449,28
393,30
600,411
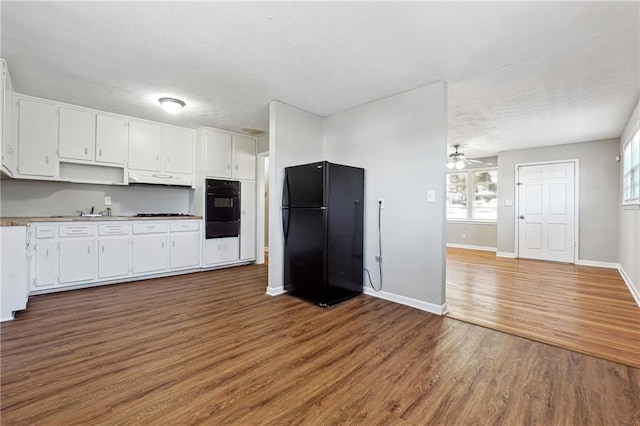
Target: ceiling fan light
451,165
171,105
459,165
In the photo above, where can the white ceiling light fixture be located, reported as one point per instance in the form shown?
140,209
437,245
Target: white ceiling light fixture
171,105
458,160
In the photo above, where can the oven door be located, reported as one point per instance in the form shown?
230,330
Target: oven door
222,207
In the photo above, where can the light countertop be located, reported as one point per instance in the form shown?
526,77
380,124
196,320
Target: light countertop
21,221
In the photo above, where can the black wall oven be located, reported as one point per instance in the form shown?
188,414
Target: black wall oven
222,212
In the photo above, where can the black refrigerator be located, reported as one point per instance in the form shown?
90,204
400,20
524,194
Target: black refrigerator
322,221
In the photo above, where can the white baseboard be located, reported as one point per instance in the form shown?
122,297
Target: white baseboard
634,292
598,264
408,301
277,291
505,254
470,247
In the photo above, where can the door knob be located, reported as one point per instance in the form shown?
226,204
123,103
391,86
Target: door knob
521,217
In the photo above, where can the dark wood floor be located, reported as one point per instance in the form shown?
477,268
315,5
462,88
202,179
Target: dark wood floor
582,308
212,348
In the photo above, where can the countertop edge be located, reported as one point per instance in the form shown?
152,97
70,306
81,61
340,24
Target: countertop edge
23,221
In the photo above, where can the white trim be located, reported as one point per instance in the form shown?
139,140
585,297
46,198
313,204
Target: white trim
597,264
408,301
472,222
634,292
506,254
576,199
260,206
469,247
275,291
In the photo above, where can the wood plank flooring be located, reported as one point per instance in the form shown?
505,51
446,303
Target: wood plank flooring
582,308
212,348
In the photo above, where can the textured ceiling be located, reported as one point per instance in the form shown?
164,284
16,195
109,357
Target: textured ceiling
520,74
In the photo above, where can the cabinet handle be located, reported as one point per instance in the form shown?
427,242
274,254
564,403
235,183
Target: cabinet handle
163,244
242,212
219,248
157,158
103,249
86,151
89,250
47,252
173,243
167,159
100,152
46,159
228,166
236,167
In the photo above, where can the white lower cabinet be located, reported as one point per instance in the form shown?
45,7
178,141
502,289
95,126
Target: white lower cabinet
44,263
185,250
247,220
76,260
13,266
114,258
221,250
149,253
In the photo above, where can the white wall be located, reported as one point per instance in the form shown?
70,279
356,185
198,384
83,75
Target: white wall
629,230
295,137
42,198
598,197
475,234
401,143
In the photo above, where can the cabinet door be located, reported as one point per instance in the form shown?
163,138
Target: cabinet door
218,154
37,137
111,139
178,149
8,151
244,157
247,220
113,257
76,260
149,253
45,263
229,249
212,251
184,251
13,267
77,133
145,146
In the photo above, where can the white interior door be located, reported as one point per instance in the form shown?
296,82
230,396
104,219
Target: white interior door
546,212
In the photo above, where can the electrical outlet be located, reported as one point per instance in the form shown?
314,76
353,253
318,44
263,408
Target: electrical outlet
378,259
381,203
463,236
107,201
431,196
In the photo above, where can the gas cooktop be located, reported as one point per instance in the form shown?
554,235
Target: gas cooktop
162,214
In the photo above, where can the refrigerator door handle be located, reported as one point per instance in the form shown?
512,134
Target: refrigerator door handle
285,222
285,191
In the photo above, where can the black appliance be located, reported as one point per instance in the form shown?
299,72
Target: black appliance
322,219
222,208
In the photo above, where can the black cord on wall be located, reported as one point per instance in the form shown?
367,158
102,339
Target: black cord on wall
379,250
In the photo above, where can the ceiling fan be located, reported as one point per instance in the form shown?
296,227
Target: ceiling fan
458,160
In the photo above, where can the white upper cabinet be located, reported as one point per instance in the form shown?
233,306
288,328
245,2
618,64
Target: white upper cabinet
244,157
111,139
37,137
229,156
218,149
178,149
77,134
9,154
145,146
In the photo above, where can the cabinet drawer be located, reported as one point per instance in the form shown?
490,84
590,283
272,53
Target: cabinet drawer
113,229
149,228
77,230
191,225
45,231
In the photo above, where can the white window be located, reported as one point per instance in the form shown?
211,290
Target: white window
479,186
631,171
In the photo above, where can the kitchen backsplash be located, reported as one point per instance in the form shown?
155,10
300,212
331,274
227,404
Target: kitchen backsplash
42,198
